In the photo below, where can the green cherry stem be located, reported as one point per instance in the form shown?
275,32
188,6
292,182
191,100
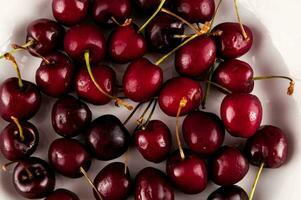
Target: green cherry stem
83,171
208,86
219,86
239,21
215,13
251,195
11,58
24,46
21,132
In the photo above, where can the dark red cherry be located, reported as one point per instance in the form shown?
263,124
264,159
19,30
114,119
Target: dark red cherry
70,117
149,6
21,103
86,89
82,38
269,146
12,145
154,141
196,57
189,175
33,178
174,90
70,12
104,10
62,194
67,156
241,114
55,78
47,35
231,43
142,80
203,132
232,192
107,137
228,166
235,75
195,10
126,44
112,182
152,184
161,31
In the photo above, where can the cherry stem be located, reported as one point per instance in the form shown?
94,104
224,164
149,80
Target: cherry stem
30,175
220,87
153,16
239,21
115,21
141,118
24,46
208,85
83,171
16,121
11,58
215,13
256,181
182,104
118,101
4,167
150,115
126,161
290,89
132,114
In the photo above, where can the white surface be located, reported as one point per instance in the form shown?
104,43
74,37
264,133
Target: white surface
276,50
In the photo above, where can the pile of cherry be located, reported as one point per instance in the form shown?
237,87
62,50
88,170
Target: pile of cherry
204,55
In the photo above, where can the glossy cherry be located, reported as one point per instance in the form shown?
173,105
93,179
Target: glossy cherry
269,146
154,141
13,147
70,117
228,166
148,6
107,137
104,10
197,57
86,89
113,183
232,192
241,114
47,35
33,178
67,156
62,194
189,175
126,44
22,103
85,38
231,43
142,80
54,77
174,90
203,132
70,12
152,184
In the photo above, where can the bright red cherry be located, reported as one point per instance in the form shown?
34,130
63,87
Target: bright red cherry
241,114
228,166
232,192
70,117
174,90
68,156
142,80
152,184
62,194
55,78
269,146
154,141
70,12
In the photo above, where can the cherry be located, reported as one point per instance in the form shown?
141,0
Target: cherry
68,157
196,57
241,114
176,88
85,38
195,10
152,184
232,192
70,117
154,141
188,174
142,80
110,11
148,6
113,182
232,43
55,75
203,132
46,36
62,194
107,137
33,178
18,98
18,140
70,12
